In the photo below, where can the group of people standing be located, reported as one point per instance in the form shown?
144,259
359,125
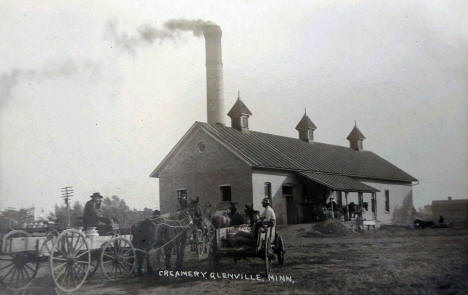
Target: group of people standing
348,212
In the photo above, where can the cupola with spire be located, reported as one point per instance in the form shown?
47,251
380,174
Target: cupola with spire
239,114
306,128
356,138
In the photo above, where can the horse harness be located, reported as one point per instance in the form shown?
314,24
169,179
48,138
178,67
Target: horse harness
185,228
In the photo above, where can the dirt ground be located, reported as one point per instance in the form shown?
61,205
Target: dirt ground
387,261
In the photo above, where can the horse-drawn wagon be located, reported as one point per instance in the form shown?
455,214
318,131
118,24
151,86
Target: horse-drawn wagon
72,256
261,246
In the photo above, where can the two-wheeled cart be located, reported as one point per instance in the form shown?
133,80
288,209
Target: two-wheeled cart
262,248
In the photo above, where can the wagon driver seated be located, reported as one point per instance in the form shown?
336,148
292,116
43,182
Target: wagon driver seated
243,238
268,216
93,214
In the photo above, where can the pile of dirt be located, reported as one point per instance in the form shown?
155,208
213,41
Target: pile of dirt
395,228
330,226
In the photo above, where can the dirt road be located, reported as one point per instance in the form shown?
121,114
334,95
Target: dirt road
431,261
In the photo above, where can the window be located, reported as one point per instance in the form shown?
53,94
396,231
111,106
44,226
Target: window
244,122
268,190
201,147
373,203
225,193
181,194
387,201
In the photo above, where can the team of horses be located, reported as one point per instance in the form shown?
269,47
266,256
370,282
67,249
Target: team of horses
166,235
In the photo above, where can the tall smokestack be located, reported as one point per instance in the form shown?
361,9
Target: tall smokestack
214,74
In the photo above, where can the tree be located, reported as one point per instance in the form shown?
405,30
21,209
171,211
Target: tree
13,218
113,207
60,215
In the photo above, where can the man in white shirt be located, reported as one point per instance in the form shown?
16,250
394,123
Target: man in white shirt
269,215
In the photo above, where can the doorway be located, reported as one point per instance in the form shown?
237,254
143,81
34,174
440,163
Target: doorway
290,206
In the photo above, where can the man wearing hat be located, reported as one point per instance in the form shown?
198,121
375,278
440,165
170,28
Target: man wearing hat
92,214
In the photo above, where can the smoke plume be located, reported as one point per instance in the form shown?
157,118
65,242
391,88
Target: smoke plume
148,33
195,26
9,80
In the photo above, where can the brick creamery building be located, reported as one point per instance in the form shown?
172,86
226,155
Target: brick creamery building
222,164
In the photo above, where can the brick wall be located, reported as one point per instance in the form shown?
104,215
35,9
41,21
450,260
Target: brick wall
202,174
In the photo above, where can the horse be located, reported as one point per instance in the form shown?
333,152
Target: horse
163,234
236,217
252,215
232,218
218,221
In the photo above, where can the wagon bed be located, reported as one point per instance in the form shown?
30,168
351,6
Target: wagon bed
262,248
72,255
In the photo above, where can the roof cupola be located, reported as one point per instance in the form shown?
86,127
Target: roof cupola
239,114
356,138
306,128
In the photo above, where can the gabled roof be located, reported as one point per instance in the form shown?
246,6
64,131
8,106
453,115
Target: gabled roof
355,134
306,123
263,150
239,108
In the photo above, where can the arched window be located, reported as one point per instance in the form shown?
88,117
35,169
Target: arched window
387,201
268,190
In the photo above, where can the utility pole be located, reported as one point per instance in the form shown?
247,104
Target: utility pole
67,193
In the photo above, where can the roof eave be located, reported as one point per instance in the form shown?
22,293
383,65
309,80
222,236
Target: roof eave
349,175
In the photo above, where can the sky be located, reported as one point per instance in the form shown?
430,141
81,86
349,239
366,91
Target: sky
93,94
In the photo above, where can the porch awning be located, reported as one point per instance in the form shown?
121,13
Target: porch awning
339,182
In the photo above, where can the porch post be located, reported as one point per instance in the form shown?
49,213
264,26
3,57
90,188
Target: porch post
374,200
360,201
347,209
331,202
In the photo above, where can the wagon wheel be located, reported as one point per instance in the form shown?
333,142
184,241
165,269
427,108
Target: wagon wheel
280,250
213,255
214,261
70,260
48,244
94,266
209,236
18,266
201,247
267,257
208,239
118,258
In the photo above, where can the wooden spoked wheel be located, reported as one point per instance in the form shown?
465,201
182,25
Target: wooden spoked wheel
118,258
94,266
214,261
201,244
267,257
70,260
280,250
214,257
18,262
48,244
209,236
